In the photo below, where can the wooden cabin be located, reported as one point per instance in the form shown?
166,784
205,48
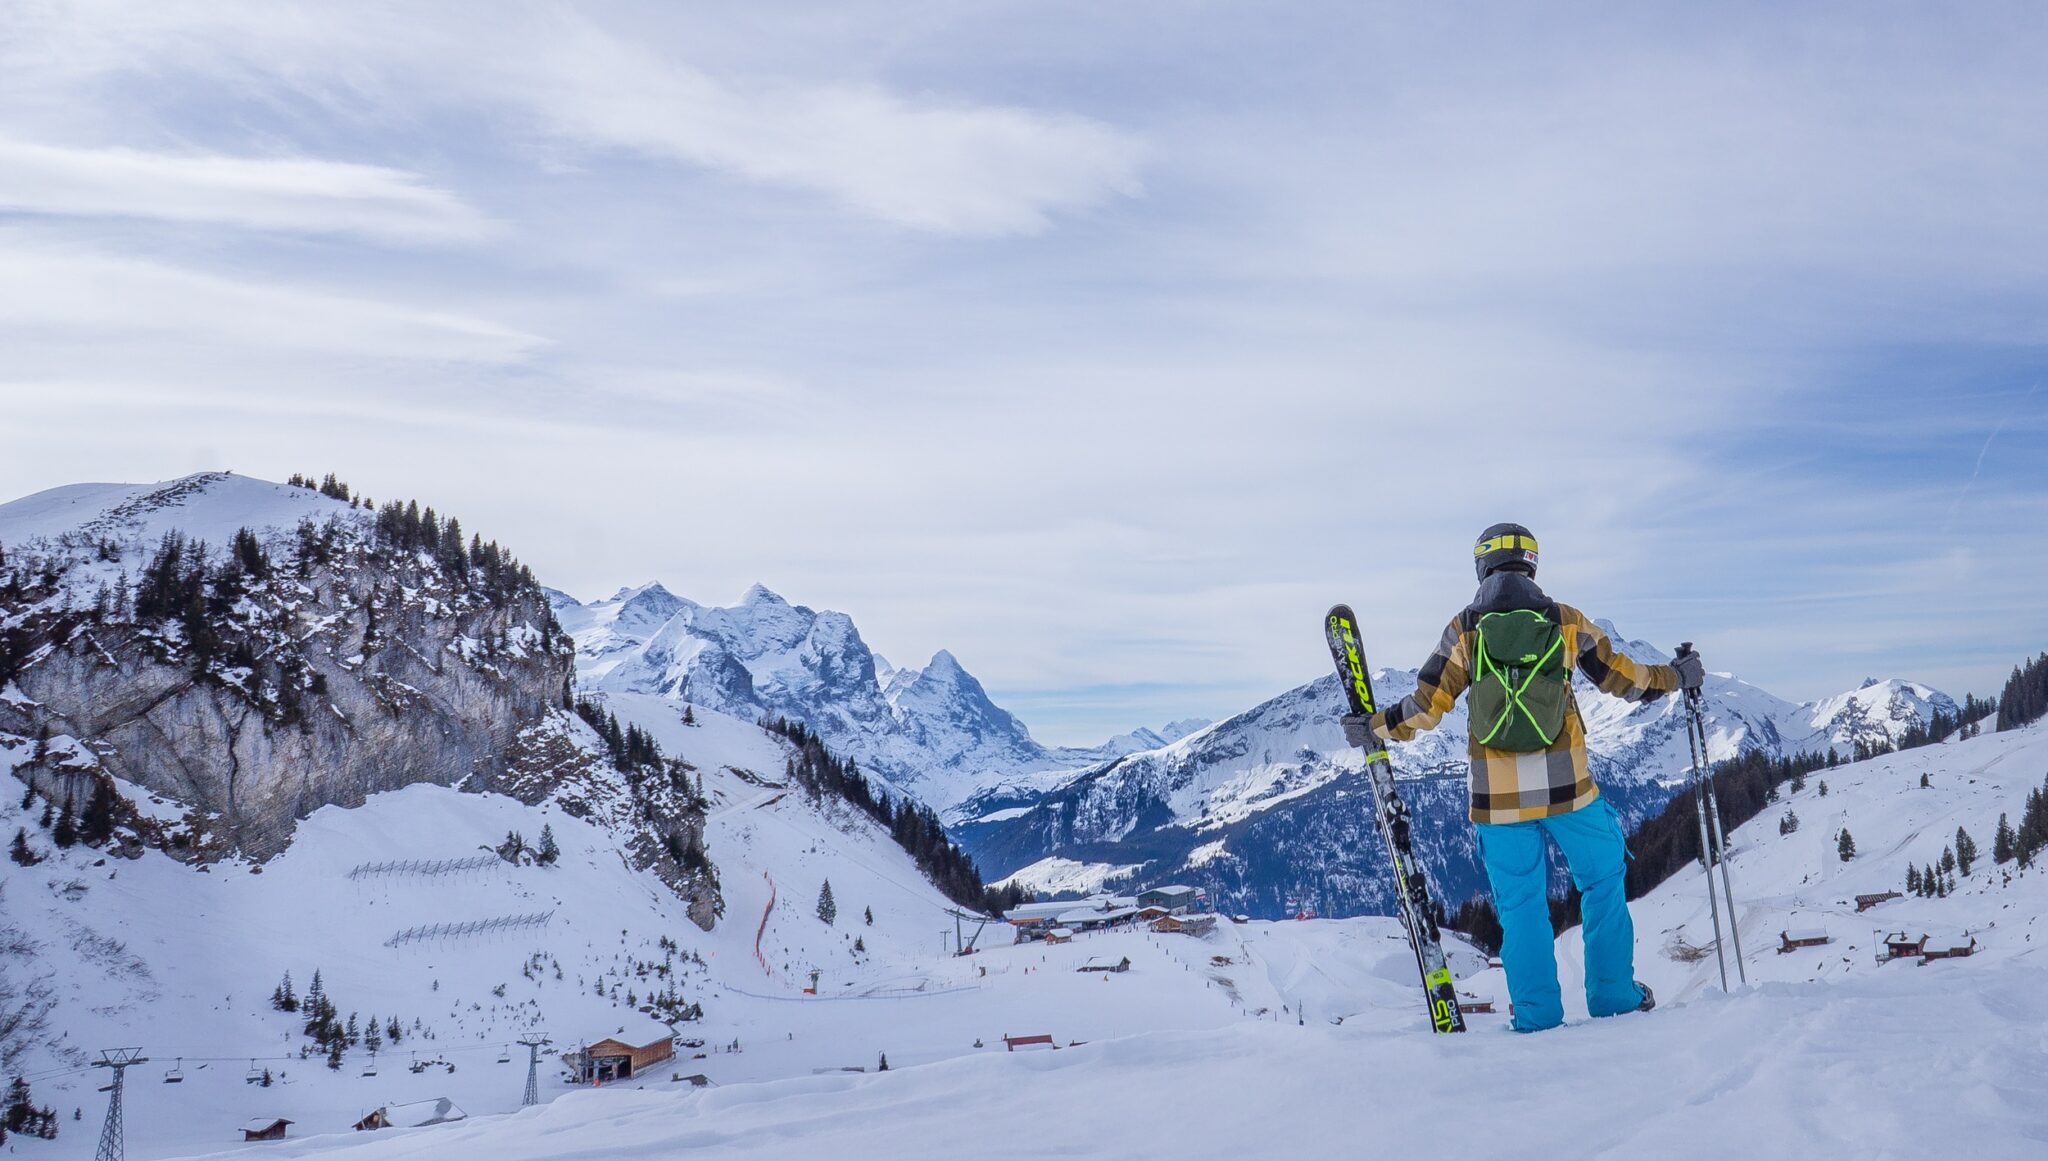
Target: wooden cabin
627,1052
1473,1004
1866,902
264,1129
1013,1043
1185,924
1949,949
1793,940
1899,945
1104,964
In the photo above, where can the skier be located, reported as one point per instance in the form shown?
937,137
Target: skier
1514,648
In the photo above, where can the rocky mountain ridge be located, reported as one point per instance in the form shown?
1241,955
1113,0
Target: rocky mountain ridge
932,731
254,651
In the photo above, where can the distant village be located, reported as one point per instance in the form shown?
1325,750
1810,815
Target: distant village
1176,909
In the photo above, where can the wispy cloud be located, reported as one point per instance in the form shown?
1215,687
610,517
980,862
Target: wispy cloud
283,194
59,295
922,162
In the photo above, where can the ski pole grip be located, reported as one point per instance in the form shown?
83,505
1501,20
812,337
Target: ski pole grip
1684,647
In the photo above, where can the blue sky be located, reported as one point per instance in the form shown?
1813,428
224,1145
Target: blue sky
1104,345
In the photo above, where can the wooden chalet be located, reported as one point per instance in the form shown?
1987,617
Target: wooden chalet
264,1129
1013,1043
1866,902
1793,940
1104,964
627,1052
1473,1004
1949,949
1197,924
1899,945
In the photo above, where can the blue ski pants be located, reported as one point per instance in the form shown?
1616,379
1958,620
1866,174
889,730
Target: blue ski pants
1596,853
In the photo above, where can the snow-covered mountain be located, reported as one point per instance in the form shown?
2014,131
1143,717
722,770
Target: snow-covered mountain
930,731
1265,809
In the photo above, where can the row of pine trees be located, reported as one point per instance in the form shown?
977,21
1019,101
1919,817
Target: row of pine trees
914,827
331,1035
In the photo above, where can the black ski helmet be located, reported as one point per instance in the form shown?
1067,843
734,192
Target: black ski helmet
1505,546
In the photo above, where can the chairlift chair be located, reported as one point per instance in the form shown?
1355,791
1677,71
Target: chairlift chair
370,1069
176,1075
254,1075
505,1055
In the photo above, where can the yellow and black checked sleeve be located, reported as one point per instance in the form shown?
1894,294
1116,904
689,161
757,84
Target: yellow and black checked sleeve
1442,678
1609,669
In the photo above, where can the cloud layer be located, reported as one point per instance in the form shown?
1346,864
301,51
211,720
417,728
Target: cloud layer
1103,346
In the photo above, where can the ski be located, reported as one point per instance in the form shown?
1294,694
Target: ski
1411,888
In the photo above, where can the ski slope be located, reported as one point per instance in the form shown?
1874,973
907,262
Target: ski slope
1306,1039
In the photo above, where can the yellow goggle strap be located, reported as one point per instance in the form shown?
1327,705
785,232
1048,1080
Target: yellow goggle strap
1525,543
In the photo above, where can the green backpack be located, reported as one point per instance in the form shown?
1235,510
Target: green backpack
1521,686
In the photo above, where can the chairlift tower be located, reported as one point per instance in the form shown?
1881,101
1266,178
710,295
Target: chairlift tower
113,1139
533,1047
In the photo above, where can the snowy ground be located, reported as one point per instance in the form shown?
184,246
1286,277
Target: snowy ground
1877,1068
1295,1039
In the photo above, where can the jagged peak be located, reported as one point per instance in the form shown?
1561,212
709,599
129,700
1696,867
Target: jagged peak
760,594
651,588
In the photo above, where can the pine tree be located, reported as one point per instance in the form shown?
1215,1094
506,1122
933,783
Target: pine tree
689,714
20,1107
2002,843
65,833
1966,851
827,909
1912,879
354,1035
335,1048
1924,783
549,852
1823,788
884,1065
373,1035
282,998
20,852
96,825
1788,824
1845,846
870,913
1948,860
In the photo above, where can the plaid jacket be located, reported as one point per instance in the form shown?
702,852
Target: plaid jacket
1510,787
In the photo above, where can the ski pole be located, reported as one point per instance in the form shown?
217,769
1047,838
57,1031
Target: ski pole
1720,843
1700,790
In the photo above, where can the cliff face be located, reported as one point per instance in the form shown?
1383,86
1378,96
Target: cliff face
320,656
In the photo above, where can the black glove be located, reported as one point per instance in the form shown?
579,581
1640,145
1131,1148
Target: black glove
1358,731
1691,672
